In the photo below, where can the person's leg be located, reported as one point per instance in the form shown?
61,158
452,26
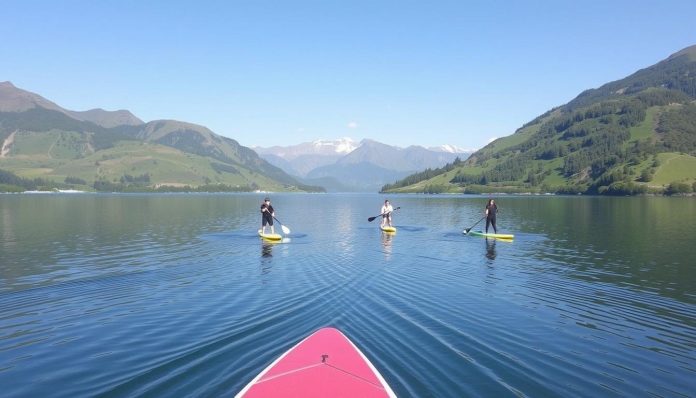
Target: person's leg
488,222
495,230
265,223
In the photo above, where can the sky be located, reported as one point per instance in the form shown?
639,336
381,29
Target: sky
284,72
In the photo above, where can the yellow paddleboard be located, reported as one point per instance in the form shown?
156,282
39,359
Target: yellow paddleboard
388,229
271,237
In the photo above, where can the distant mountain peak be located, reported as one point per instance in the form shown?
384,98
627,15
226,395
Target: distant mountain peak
368,142
107,118
13,99
342,145
320,147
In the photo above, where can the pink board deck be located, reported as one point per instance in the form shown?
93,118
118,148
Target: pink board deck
325,364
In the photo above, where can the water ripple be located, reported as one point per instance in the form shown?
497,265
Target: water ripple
185,300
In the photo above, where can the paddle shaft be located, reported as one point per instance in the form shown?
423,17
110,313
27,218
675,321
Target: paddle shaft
469,229
371,219
283,227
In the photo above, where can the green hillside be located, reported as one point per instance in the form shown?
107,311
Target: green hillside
46,148
635,135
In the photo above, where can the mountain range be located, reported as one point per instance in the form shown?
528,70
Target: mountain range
347,165
630,136
45,145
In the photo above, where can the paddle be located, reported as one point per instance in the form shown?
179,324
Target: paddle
286,230
371,219
466,231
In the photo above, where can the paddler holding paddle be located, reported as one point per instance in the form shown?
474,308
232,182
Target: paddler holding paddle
386,213
267,214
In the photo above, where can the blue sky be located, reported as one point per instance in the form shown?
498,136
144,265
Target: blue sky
283,72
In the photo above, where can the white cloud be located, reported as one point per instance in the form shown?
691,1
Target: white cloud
353,125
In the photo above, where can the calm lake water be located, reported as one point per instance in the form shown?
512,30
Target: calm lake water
174,295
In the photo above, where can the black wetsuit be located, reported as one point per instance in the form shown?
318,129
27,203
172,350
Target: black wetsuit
266,216
490,217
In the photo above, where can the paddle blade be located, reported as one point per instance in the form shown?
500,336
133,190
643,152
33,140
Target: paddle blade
371,219
285,229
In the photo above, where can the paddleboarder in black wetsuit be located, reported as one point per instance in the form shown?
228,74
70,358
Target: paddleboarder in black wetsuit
267,214
491,211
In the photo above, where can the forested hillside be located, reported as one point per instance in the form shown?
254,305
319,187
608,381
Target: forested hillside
636,135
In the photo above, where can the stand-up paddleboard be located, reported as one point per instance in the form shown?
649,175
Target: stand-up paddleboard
497,236
325,364
271,237
386,228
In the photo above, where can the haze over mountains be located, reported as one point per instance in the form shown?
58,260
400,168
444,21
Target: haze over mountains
630,136
104,150
347,165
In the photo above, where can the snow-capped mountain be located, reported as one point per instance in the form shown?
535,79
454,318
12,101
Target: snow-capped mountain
337,147
363,166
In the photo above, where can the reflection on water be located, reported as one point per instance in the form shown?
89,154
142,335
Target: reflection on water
490,249
266,249
387,244
266,257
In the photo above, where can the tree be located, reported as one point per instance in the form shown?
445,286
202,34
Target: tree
646,175
676,188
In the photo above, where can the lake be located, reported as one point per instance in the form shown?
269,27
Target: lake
175,295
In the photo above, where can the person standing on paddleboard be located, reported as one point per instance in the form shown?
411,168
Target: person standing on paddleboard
386,212
267,214
491,211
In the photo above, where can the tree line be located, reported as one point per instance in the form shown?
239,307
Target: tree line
592,142
424,175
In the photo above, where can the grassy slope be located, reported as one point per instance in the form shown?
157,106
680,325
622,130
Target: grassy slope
555,178
675,167
515,139
646,129
51,158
